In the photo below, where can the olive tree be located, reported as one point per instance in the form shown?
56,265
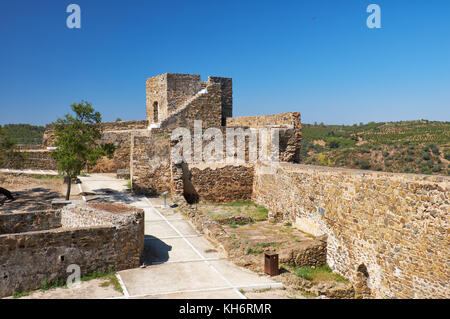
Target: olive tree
77,141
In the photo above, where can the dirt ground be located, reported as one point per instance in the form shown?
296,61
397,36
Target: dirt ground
91,289
254,238
251,239
33,192
286,293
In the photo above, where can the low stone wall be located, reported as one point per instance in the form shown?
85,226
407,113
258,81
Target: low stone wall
124,125
117,133
49,137
290,119
307,253
26,221
36,159
92,237
389,229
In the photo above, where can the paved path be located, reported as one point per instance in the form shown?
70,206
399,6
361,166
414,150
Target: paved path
180,262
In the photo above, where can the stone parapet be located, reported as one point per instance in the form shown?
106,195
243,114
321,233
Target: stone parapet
390,229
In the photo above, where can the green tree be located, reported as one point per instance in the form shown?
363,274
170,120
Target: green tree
333,144
77,141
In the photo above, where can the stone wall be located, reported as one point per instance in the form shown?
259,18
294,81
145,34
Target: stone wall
390,229
156,92
49,138
36,159
117,133
206,107
124,125
226,87
306,253
114,240
25,221
151,166
180,88
121,158
168,93
150,170
291,119
221,183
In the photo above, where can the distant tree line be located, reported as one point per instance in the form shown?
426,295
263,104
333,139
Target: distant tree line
24,133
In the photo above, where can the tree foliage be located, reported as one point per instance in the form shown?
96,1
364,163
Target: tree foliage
421,147
78,141
25,133
9,156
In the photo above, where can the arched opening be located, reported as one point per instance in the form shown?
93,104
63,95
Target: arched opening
363,270
362,289
155,112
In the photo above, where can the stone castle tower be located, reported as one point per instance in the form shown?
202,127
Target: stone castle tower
169,93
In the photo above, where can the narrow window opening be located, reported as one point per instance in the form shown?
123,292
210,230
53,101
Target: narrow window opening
155,112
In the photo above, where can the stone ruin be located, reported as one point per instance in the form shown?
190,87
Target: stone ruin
39,246
178,100
386,232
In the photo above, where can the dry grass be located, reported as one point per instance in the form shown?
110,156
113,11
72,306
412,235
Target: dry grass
104,165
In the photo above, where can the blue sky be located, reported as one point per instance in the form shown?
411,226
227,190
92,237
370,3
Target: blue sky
313,56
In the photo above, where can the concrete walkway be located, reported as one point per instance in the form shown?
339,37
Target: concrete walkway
180,263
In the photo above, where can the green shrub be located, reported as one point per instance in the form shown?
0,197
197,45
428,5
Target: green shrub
253,251
318,273
364,164
333,144
426,156
434,149
436,168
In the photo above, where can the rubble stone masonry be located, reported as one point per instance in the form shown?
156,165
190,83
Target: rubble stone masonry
150,170
395,226
86,236
290,119
222,183
20,222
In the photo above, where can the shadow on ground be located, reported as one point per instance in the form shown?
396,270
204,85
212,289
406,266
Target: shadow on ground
108,195
155,251
34,199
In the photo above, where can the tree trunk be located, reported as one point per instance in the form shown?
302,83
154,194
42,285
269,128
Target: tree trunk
69,185
7,193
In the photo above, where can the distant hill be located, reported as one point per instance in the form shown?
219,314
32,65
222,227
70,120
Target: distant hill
421,147
25,133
